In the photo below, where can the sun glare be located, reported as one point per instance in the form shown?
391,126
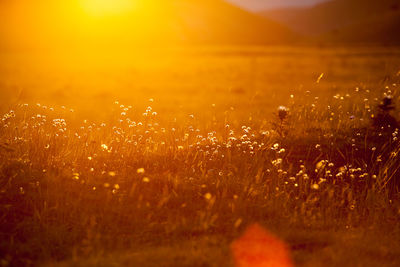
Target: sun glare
107,7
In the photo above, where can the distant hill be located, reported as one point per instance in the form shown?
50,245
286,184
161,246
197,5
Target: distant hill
159,22
344,20
257,5
215,21
380,29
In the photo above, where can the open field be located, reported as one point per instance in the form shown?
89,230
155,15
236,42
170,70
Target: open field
164,158
252,80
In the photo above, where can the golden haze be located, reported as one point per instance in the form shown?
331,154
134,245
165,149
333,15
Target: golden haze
119,146
81,24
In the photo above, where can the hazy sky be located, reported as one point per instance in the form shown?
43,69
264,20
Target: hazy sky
268,4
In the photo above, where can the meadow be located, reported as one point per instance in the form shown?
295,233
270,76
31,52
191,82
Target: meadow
164,158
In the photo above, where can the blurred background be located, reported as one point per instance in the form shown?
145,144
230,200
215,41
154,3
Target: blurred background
188,54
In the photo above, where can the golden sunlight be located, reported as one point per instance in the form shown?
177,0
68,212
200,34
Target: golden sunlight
107,7
198,133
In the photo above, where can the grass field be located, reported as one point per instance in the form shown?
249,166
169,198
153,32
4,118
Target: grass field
165,158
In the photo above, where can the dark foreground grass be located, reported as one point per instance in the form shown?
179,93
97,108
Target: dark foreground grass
309,247
152,190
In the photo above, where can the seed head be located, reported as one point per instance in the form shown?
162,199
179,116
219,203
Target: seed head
283,112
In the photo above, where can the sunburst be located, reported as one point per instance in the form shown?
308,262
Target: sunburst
107,7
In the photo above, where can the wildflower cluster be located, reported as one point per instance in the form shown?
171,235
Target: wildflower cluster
137,169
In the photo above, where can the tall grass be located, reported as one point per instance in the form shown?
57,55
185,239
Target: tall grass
73,188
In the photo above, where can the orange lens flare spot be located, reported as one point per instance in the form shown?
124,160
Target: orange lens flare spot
259,248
